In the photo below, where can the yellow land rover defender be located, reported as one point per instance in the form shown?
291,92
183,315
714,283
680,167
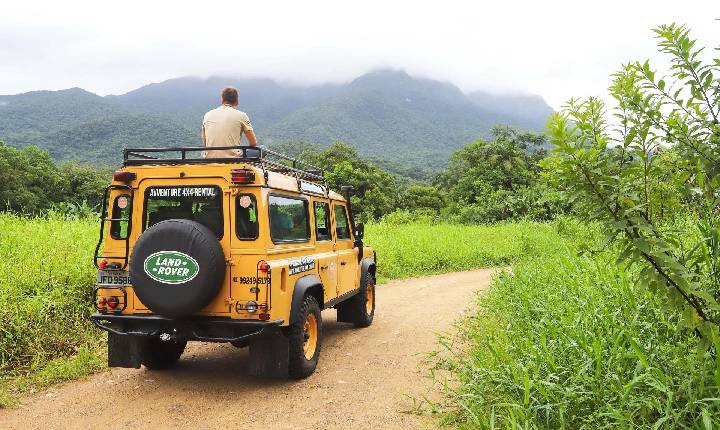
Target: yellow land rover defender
247,250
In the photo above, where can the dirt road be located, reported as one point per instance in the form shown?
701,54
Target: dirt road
366,378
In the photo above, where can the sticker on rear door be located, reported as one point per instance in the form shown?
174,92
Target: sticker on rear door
171,267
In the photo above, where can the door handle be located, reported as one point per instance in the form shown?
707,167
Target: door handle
343,263
323,267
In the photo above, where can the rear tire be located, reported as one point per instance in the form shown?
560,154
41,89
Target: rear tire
305,339
159,355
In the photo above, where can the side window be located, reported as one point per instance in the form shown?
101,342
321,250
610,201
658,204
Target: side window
289,219
119,228
342,228
322,221
246,223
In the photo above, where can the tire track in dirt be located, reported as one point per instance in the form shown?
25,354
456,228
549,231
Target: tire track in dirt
366,378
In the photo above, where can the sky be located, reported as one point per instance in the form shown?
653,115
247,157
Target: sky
557,49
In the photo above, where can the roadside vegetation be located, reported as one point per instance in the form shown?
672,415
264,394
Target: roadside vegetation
618,327
569,339
46,281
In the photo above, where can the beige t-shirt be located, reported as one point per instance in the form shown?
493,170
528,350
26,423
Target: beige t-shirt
224,126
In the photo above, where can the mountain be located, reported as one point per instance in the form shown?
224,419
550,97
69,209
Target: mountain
389,116
531,110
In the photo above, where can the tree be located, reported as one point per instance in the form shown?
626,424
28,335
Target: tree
619,171
420,197
30,179
497,179
32,182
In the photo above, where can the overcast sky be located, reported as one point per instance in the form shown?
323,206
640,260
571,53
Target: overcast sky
557,49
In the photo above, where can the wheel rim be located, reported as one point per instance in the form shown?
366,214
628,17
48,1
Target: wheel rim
310,329
370,293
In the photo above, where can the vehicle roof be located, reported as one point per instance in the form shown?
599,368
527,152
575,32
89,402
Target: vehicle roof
275,180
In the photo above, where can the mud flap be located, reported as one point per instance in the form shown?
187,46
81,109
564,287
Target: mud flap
269,355
124,351
348,311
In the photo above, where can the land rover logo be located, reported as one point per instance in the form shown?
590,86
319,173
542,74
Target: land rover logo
171,267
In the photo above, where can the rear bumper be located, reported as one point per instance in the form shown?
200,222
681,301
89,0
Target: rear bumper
206,329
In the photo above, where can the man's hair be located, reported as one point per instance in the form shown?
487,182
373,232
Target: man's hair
230,95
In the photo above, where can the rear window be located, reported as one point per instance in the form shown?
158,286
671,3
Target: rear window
201,203
289,220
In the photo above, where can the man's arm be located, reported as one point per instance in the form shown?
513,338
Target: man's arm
250,137
204,139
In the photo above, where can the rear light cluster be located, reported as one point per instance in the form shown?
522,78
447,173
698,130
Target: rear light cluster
105,303
106,265
242,176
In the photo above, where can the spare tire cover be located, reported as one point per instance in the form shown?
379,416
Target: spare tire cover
177,267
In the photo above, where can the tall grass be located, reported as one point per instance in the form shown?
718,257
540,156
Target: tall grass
426,248
46,278
571,341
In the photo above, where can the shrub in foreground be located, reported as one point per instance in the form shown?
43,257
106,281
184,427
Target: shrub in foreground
571,341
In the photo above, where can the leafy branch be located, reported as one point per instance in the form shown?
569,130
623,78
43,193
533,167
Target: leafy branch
621,172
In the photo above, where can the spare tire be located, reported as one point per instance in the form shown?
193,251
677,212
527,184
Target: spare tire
177,267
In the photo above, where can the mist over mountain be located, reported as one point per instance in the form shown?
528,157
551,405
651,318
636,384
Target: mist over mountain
389,116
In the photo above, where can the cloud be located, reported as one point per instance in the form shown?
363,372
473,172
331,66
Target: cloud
556,49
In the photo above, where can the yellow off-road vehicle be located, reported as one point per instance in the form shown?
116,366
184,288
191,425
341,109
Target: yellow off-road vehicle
247,250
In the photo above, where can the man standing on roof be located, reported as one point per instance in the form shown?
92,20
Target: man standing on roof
225,125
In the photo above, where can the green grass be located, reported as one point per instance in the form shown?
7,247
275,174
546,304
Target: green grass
46,278
571,341
418,249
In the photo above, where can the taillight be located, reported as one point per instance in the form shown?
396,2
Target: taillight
102,265
264,266
123,176
113,302
102,302
242,176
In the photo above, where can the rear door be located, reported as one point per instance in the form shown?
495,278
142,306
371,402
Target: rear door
347,253
205,201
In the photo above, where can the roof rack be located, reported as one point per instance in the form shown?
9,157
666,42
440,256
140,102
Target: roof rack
260,156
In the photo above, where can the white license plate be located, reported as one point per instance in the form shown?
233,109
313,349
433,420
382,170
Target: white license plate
114,278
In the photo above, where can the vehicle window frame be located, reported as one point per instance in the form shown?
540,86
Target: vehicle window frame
257,217
303,199
327,220
347,223
115,232
146,197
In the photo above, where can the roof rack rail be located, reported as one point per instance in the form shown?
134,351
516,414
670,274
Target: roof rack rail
257,155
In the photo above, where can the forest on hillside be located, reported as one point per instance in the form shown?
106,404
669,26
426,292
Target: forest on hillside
407,123
485,181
